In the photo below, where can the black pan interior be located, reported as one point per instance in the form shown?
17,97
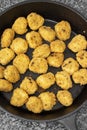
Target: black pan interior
52,12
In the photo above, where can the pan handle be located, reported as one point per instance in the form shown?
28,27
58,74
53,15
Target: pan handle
70,121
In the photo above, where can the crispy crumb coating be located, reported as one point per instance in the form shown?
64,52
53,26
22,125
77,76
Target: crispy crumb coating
34,104
65,97
19,97
5,85
35,21
63,80
7,37
48,99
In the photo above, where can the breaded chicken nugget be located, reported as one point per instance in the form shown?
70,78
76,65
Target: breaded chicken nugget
11,74
63,30
48,99
21,62
70,65
63,80
81,57
80,77
65,97
1,71
5,85
55,59
19,97
35,21
19,45
47,33
38,65
29,85
34,104
45,81
20,25
34,39
7,37
77,43
6,55
42,51
57,46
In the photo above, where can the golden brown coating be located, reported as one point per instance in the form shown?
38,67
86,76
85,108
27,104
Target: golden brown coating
57,46
81,57
63,30
19,45
34,39
47,33
70,65
63,80
7,37
38,65
34,104
20,25
11,74
48,99
19,97
80,77
35,21
55,59
65,97
45,81
1,72
77,43
6,55
42,51
5,85
21,62
29,85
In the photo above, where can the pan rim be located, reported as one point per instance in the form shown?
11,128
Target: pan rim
74,11
44,1
43,120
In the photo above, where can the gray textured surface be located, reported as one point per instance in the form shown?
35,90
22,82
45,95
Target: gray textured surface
8,122
81,118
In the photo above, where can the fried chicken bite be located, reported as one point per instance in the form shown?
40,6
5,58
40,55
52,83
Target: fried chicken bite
63,30
55,59
48,100
57,46
21,62
7,37
38,65
1,72
81,57
5,85
34,104
11,74
46,80
47,33
42,51
34,39
20,25
6,55
70,65
19,45
29,85
65,97
80,77
35,21
63,80
77,43
19,97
